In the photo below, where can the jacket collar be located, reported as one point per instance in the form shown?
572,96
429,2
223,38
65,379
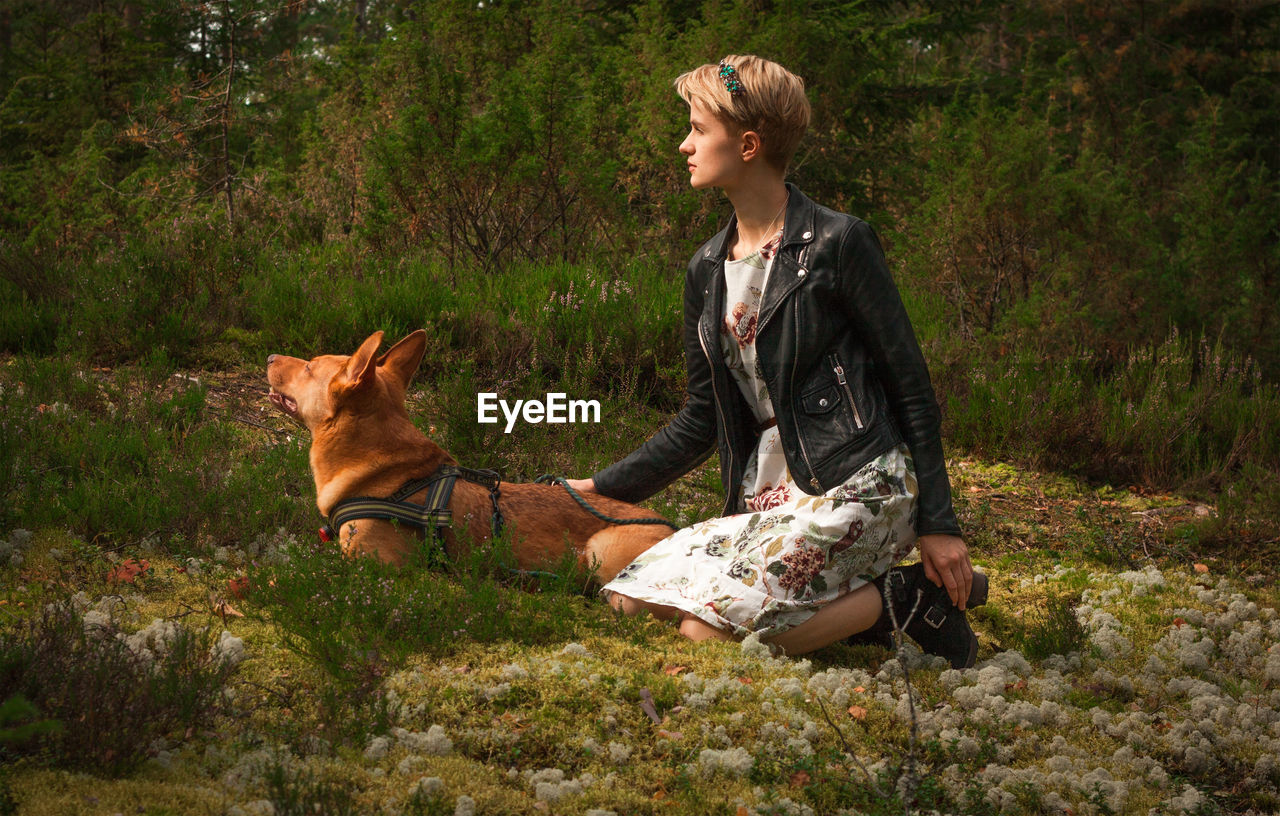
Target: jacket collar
797,226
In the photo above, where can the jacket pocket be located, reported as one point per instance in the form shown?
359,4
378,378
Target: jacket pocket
821,400
823,422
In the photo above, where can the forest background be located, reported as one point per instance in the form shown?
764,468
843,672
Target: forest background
1081,201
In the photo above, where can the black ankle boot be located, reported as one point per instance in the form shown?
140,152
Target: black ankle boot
925,612
881,632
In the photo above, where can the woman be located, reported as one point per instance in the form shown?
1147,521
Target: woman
804,371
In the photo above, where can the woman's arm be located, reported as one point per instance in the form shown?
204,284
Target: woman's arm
690,437
871,298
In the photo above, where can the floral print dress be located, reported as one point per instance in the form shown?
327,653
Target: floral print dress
771,567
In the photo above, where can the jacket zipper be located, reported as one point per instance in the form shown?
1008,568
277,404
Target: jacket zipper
839,369
795,364
715,395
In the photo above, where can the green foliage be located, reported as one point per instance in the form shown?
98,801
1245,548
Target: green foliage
301,792
20,721
1226,256
1052,629
359,618
1180,414
134,458
986,229
1085,170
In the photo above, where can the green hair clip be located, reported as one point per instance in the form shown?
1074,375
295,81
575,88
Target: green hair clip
729,76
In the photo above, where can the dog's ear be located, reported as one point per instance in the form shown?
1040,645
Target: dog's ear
361,368
402,359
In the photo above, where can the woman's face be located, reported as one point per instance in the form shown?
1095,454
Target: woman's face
713,150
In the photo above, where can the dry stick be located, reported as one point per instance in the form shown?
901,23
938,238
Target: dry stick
849,750
908,795
250,422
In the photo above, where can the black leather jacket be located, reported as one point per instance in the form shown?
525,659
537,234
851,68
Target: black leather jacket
840,359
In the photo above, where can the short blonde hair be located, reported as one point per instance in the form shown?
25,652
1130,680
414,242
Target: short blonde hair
772,102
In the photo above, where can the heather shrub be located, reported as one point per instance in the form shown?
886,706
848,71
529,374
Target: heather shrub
358,618
113,693
1181,414
136,456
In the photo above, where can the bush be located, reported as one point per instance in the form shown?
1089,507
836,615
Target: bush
295,791
113,694
134,456
1052,629
1181,414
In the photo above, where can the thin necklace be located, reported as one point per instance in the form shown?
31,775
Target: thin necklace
768,231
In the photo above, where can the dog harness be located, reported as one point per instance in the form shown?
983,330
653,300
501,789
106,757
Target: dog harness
432,516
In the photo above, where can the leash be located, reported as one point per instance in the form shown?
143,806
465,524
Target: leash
547,478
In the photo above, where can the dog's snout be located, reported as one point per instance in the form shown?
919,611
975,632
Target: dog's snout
271,358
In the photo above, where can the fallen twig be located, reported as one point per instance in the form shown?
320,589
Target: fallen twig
233,418
849,750
909,777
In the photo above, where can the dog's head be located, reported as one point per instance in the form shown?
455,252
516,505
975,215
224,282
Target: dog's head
318,391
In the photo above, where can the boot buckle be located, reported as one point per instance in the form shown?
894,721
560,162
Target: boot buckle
935,616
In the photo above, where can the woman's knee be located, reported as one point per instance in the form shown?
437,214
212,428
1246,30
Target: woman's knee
625,604
634,606
696,628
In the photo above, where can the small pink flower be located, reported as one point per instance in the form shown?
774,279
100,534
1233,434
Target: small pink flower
742,326
769,498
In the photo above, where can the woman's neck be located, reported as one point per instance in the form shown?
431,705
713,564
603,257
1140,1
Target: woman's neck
758,203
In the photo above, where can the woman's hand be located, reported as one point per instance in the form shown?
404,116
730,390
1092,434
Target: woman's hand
582,485
946,563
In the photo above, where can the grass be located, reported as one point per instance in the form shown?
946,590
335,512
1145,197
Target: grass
327,606
536,686
1181,415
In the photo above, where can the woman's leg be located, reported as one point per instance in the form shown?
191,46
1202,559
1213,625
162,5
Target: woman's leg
634,606
846,615
695,628
691,626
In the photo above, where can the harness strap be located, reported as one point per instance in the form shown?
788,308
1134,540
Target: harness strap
432,514
490,479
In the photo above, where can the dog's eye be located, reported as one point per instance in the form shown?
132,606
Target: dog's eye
307,368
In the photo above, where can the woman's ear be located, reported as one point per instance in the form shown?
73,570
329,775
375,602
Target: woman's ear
752,146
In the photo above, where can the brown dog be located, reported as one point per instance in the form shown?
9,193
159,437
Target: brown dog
364,444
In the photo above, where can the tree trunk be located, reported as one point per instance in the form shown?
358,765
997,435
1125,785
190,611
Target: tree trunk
230,22
132,16
6,36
